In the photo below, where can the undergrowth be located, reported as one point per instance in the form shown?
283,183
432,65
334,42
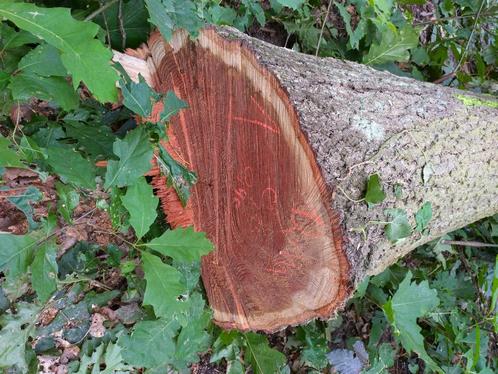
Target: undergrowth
93,280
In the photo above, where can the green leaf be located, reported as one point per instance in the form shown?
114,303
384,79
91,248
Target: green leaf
151,343
44,60
134,23
163,287
10,38
84,57
394,46
44,271
423,216
315,347
177,175
15,254
71,167
411,301
16,328
494,286
260,356
135,154
172,105
359,32
182,244
399,227
138,97
8,157
169,15
67,200
24,86
293,4
141,203
192,340
22,202
114,361
374,194
94,139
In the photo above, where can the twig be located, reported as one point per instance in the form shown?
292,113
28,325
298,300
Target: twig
121,25
323,27
465,51
100,10
469,243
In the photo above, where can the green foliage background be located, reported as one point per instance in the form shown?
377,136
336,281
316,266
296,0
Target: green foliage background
435,312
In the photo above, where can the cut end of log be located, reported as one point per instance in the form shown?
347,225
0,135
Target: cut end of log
260,196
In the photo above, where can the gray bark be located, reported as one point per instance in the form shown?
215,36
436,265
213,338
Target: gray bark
438,144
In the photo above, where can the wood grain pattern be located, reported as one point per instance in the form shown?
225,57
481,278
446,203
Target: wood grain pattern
260,196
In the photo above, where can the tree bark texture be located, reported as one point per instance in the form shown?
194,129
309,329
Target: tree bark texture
283,144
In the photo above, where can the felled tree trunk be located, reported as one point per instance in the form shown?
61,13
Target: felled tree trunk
283,144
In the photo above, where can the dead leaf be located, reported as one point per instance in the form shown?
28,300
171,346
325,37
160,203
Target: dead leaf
97,329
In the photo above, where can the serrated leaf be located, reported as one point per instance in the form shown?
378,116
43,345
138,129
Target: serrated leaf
22,202
8,157
358,33
260,356
410,302
399,227
84,57
182,244
141,204
16,328
16,253
172,105
44,271
43,60
394,46
138,97
163,288
151,343
135,154
113,360
169,15
71,167
24,86
374,194
423,216
67,200
293,4
177,175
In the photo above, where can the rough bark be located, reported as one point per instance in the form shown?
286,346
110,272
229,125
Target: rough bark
316,128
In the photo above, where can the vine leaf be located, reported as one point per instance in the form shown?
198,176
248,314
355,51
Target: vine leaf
182,244
423,216
177,175
399,227
374,194
141,203
84,57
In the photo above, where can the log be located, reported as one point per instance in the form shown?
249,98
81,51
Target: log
283,144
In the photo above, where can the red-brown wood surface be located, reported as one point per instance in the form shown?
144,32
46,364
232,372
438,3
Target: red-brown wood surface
260,196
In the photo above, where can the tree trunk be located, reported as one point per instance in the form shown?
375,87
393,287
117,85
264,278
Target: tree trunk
283,144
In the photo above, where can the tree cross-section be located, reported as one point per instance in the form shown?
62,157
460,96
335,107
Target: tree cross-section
283,143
